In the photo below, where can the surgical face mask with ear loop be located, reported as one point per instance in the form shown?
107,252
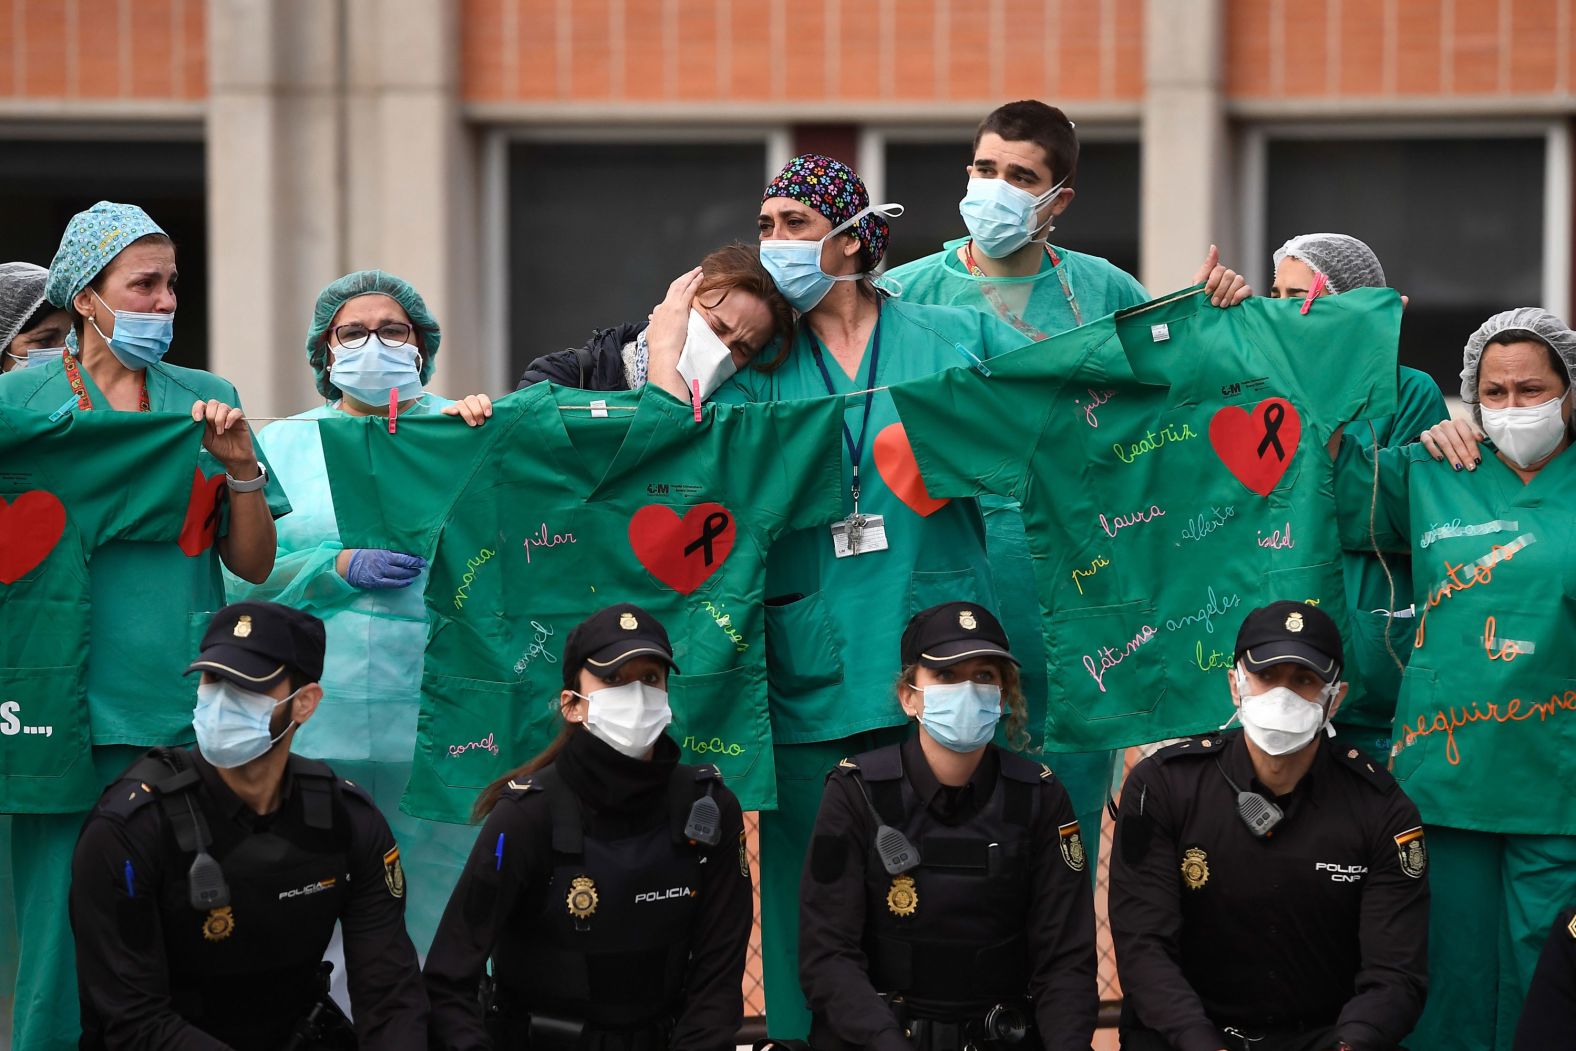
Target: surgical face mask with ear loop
795,266
43,356
369,372
1002,218
1279,720
1526,434
706,359
232,724
140,339
628,718
961,716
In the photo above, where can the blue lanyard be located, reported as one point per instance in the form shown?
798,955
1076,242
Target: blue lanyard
855,452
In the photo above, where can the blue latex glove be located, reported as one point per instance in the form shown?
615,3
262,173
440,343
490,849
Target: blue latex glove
372,567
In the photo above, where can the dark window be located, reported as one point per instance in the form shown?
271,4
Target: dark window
929,179
1457,225
44,182
597,232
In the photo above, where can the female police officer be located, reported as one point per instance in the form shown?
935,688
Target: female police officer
609,886
945,903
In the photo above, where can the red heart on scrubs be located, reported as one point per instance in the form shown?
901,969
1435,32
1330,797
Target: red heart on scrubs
1257,445
900,471
30,527
202,514
682,552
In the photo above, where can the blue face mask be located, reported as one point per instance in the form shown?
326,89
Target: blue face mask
1002,218
39,358
140,340
232,724
795,266
961,716
369,372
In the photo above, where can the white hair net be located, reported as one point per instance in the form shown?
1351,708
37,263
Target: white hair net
1513,326
1345,262
21,294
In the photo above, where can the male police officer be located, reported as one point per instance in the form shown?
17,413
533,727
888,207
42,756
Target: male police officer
207,882
1268,886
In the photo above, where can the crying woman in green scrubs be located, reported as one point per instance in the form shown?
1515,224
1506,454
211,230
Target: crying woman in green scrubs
1486,720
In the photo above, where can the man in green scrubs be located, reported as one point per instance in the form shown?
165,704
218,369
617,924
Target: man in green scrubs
150,602
1022,178
1378,584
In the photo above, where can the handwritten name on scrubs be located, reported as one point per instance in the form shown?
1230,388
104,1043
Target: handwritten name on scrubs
1453,529
538,648
1482,573
541,539
1206,522
486,744
1449,720
1097,398
725,622
1505,650
1151,441
1213,607
1110,658
714,746
1215,659
1095,564
1278,540
1120,522
472,564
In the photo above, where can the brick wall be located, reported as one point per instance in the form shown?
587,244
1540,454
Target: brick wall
103,49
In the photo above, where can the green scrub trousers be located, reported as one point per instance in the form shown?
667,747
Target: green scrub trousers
1493,899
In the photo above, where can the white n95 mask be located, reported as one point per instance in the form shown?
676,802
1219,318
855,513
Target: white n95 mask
1279,720
706,359
1526,434
628,718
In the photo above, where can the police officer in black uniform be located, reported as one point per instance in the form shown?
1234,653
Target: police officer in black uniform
207,882
1269,885
944,903
610,886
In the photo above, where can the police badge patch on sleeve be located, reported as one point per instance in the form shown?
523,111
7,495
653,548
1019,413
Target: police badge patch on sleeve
1412,852
393,874
1072,846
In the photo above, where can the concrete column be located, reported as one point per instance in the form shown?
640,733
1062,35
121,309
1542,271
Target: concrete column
274,201
411,187
1186,170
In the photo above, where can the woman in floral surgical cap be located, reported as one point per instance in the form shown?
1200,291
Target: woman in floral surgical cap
839,596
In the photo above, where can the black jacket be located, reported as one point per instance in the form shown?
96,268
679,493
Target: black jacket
599,365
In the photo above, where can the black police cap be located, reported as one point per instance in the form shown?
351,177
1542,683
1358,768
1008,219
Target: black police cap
951,632
257,645
1290,632
609,637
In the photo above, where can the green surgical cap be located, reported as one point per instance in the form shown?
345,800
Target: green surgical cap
368,283
92,239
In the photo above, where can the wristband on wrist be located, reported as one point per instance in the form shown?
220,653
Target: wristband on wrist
251,485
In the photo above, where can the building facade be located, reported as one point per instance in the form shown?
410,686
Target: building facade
540,168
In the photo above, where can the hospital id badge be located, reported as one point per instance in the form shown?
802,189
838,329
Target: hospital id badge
859,535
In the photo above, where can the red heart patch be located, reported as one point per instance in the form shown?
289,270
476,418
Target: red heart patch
682,552
202,514
900,471
30,527
1258,445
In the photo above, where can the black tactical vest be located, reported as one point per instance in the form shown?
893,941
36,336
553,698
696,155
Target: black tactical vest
609,943
949,935
251,967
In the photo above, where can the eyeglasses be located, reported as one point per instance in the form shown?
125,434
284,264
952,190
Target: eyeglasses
353,337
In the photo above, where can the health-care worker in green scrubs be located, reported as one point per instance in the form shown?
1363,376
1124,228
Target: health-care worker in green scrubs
1485,724
115,273
371,334
1021,180
839,596
1378,583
